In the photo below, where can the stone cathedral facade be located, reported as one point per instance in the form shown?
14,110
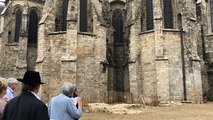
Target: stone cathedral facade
114,51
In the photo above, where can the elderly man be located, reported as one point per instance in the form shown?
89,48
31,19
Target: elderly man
12,84
61,107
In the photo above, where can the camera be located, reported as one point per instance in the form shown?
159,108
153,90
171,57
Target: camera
75,94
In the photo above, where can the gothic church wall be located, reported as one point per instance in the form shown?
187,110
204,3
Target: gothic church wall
160,64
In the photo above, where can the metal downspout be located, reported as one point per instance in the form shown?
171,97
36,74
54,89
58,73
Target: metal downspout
183,63
203,44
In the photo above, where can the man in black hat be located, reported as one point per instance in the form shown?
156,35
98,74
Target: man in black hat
27,106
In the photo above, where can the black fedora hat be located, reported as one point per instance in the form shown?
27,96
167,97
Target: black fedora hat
31,78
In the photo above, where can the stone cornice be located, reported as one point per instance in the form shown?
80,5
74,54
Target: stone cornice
58,32
86,33
146,32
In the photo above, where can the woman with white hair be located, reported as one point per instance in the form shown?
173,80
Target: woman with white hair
62,108
3,89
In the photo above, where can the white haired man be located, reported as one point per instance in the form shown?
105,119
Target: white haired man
12,84
61,107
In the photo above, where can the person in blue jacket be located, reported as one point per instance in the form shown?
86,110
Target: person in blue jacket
61,107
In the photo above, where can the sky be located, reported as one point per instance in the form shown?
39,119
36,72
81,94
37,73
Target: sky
2,2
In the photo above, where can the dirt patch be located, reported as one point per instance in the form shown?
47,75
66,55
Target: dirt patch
101,111
114,108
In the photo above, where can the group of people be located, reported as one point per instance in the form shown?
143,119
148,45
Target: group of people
28,106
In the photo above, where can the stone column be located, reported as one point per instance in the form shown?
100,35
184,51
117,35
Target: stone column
162,70
23,39
134,50
100,54
1,32
25,15
192,60
69,57
43,65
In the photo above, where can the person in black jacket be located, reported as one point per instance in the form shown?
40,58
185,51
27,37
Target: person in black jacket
75,98
27,106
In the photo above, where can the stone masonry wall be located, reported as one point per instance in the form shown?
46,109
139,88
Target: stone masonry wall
173,52
9,60
154,57
148,67
90,85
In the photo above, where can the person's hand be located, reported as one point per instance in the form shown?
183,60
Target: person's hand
6,99
79,102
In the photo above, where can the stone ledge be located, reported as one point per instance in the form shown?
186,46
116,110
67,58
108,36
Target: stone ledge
161,59
21,66
86,33
72,20
58,32
146,32
39,61
209,35
69,59
196,58
171,30
12,44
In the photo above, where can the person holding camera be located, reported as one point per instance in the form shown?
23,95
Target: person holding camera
74,99
62,108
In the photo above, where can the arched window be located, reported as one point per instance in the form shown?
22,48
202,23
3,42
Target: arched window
61,20
117,23
168,15
83,15
211,9
18,25
149,15
33,27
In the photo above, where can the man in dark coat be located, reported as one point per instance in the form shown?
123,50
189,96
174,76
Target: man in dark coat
27,106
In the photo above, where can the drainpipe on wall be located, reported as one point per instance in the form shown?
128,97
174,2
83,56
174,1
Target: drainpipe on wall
182,56
183,64
203,44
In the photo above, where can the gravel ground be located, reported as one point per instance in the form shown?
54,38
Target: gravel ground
137,112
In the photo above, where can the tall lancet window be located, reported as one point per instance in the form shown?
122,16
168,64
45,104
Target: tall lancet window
211,9
18,25
61,20
65,8
83,15
168,15
33,27
117,22
149,15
